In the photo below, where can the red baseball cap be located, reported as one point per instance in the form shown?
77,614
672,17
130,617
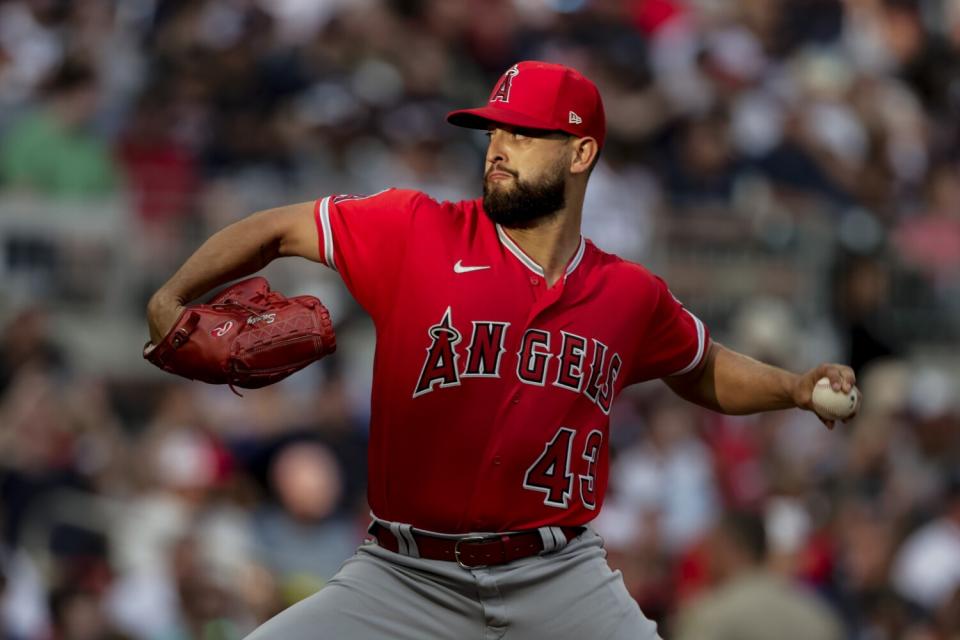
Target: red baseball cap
540,95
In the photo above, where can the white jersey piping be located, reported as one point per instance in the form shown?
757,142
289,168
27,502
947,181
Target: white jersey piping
528,262
701,335
327,233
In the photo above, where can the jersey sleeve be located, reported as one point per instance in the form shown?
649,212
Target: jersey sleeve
364,239
674,341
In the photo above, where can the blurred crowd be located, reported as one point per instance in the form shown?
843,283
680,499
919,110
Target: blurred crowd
823,135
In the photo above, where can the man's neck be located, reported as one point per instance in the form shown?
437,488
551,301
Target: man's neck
552,243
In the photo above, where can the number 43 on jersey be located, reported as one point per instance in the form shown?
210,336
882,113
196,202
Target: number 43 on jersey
551,474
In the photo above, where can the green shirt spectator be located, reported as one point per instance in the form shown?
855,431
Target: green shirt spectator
50,150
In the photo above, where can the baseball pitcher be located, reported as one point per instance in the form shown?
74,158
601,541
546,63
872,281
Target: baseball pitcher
503,338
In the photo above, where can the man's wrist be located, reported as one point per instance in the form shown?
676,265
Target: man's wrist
163,299
791,384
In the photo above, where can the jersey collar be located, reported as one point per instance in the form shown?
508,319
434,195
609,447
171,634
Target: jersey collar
529,263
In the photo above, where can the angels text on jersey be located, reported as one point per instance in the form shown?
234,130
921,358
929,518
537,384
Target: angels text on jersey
585,365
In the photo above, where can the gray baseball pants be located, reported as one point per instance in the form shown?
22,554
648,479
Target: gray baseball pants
570,594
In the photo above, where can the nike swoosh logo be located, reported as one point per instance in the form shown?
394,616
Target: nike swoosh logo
459,268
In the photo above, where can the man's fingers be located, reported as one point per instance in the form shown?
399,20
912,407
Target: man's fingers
841,377
832,373
849,379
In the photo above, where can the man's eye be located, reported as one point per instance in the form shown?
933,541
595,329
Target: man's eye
489,134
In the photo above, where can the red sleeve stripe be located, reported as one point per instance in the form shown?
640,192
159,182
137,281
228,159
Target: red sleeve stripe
701,347
323,213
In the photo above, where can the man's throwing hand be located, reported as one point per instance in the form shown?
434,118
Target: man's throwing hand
842,381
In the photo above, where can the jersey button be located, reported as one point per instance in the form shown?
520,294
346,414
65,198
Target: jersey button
516,398
534,280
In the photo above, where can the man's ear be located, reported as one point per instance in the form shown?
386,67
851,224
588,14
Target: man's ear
583,155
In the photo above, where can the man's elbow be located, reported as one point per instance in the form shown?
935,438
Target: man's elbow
292,230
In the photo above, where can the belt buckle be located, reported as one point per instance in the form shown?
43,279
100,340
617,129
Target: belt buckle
456,550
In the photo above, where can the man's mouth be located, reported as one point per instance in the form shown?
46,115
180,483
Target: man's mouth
498,175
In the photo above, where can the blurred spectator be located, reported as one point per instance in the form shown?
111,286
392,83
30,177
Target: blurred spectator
620,207
927,568
29,51
77,614
751,602
934,419
864,542
861,293
930,239
208,606
51,151
302,539
668,476
702,170
27,343
161,170
926,61
177,532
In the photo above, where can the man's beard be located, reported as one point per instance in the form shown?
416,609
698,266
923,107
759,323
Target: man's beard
525,204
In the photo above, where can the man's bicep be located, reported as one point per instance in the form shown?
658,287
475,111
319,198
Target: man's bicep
297,230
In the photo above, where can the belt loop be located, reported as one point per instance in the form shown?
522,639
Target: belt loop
406,530
552,538
405,541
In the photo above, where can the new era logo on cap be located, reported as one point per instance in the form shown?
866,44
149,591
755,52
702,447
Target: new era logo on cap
540,95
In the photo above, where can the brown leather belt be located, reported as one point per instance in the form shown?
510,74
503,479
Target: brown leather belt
472,552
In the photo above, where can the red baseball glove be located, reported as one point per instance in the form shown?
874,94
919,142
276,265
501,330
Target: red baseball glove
247,336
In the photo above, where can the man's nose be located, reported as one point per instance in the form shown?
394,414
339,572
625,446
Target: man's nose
495,149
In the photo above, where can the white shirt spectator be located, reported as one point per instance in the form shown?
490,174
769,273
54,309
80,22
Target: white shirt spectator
927,568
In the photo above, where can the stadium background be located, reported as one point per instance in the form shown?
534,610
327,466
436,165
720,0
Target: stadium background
789,166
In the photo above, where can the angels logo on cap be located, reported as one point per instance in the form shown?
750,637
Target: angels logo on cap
502,92
550,97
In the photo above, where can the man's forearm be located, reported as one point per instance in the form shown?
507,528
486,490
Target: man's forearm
736,384
743,385
233,252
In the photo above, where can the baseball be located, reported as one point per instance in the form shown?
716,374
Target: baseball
834,405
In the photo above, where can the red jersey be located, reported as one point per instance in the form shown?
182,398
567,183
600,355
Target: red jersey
491,390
